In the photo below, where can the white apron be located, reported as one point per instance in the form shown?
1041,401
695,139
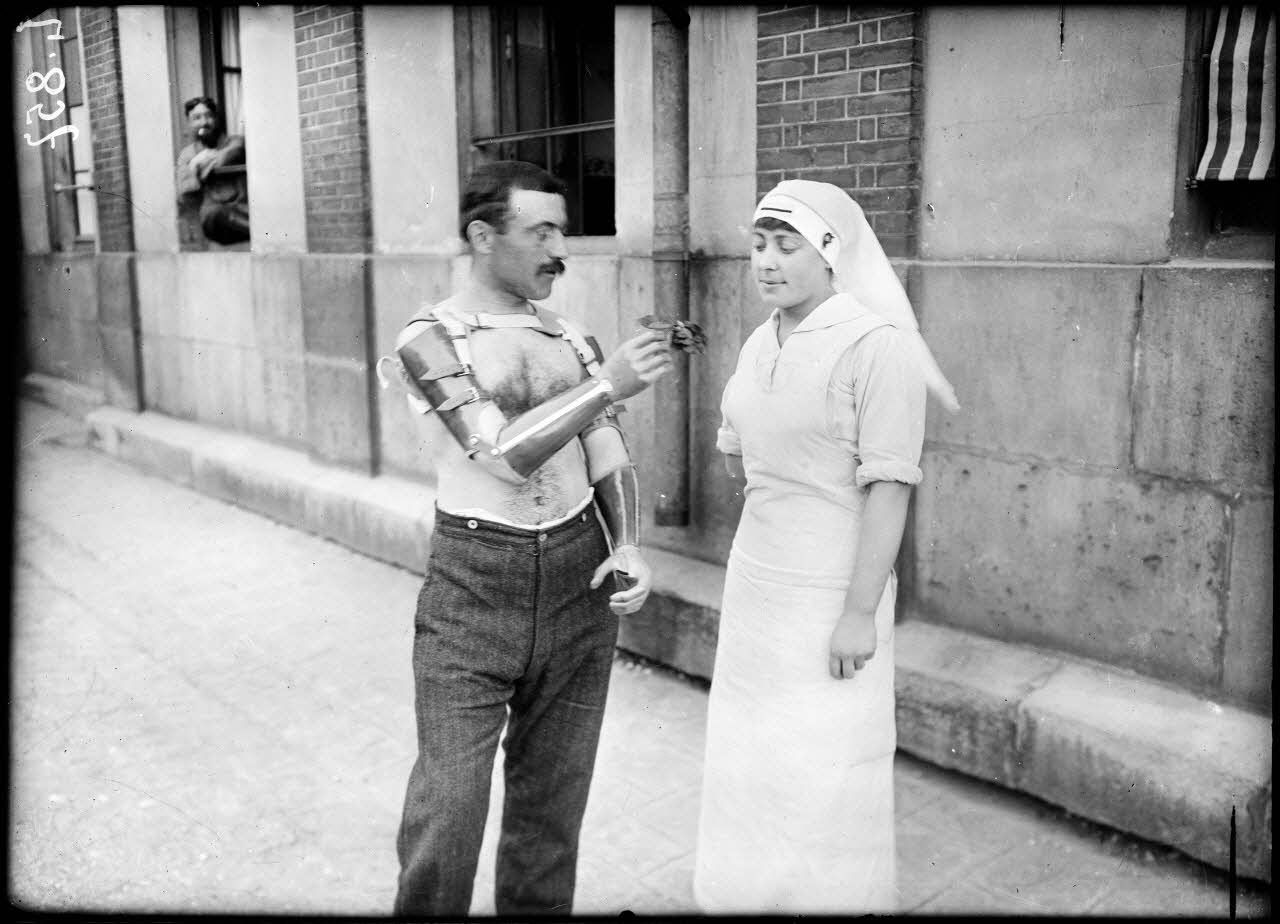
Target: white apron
797,801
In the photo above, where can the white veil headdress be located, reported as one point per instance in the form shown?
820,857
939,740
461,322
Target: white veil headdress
831,221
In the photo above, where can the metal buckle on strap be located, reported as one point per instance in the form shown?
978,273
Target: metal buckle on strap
464,397
444,372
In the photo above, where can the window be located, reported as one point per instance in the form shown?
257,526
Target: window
1227,207
68,162
204,50
542,91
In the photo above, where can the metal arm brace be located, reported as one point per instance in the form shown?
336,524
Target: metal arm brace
437,359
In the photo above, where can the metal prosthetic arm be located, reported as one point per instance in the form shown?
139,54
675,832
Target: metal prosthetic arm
437,358
611,471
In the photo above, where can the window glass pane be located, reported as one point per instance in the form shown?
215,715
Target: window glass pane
82,160
530,70
233,123
230,37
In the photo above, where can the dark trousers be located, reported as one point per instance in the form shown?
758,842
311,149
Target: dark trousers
507,630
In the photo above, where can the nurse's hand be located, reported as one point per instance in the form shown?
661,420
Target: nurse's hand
853,644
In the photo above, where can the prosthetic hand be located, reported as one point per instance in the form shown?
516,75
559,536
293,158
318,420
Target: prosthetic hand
436,355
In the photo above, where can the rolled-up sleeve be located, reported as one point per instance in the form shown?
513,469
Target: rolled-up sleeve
727,439
881,377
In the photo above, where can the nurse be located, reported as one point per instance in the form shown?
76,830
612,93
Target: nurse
823,419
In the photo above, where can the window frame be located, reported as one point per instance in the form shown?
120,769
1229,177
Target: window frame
479,138
191,28
61,171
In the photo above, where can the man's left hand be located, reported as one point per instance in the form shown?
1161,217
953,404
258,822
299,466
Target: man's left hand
202,162
626,560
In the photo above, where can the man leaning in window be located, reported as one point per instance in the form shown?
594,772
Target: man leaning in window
211,174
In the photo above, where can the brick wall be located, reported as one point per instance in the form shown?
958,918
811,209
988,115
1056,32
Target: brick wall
106,122
837,100
334,137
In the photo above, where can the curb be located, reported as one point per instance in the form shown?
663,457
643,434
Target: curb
1106,744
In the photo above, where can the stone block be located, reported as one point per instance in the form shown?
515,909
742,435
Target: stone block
1248,655
82,351
72,285
284,385
1155,761
151,442
67,396
389,519
219,380
679,622
250,475
277,305
338,419
159,299
724,301
217,297
1050,337
958,695
1130,572
121,367
401,286
1205,391
334,320
672,632
167,383
43,344
35,270
251,394
117,306
1041,132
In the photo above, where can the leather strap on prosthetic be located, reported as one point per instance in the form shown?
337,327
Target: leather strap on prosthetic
590,356
437,358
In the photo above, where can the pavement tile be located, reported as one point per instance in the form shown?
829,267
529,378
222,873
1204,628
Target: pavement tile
1044,874
970,899
1143,888
930,863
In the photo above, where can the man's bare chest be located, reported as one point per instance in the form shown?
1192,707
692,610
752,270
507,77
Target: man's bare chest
522,368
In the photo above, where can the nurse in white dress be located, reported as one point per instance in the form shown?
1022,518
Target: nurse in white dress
824,418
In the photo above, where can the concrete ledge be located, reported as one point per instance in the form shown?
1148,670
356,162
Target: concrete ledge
1103,743
71,397
386,518
1106,744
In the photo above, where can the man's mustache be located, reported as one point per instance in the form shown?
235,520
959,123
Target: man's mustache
555,266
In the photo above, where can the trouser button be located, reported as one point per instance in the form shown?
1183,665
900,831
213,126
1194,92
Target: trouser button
542,537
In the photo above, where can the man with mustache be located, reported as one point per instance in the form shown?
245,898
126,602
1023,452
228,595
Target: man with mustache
207,174
537,503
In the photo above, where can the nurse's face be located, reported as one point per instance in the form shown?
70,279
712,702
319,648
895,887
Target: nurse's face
789,272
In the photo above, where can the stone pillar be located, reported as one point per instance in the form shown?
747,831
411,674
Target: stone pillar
671,260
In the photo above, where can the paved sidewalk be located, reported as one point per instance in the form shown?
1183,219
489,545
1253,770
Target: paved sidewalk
211,712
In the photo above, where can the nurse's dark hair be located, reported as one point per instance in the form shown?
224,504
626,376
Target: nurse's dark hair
769,223
488,191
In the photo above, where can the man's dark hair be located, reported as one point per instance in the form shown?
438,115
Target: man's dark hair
199,101
488,191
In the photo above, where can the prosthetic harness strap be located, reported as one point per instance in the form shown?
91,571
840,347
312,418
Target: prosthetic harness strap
435,352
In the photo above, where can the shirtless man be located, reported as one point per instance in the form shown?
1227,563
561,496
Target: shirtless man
515,623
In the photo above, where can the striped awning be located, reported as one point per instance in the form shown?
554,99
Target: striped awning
1240,141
